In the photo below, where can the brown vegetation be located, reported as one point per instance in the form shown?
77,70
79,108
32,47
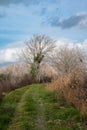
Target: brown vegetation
18,75
73,87
71,68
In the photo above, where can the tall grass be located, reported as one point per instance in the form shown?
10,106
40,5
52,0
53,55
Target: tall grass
73,87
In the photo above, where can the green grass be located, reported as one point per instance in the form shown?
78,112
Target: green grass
8,106
61,117
35,108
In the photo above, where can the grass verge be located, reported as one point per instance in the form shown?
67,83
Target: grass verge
8,106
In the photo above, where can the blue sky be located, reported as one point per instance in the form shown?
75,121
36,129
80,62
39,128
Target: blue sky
59,19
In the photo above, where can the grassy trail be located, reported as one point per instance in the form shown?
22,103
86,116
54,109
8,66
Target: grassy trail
35,108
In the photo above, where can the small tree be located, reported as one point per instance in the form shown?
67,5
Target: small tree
67,59
37,50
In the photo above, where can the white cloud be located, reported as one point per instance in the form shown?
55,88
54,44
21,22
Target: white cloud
63,41
71,43
10,52
8,55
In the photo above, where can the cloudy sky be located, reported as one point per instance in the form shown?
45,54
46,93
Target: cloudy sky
63,20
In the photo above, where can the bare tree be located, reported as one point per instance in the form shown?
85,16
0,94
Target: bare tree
67,59
38,48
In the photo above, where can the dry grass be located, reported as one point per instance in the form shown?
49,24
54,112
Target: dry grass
73,87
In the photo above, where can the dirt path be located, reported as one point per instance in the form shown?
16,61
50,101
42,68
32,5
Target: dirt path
40,117
39,110
17,122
